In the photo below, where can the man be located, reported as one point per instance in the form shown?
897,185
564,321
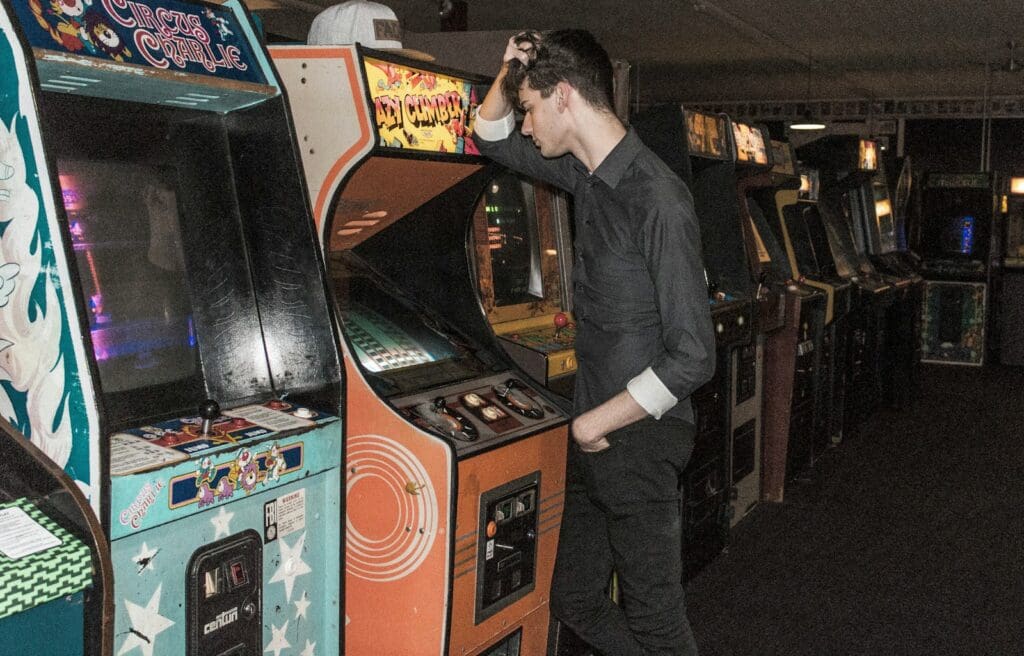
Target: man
644,340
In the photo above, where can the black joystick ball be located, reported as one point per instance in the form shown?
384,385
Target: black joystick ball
208,411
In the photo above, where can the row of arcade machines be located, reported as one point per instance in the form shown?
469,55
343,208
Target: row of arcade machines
865,240
171,338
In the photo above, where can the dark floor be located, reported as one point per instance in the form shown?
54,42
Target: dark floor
906,539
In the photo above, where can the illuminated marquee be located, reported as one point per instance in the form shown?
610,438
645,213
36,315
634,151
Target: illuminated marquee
421,110
168,35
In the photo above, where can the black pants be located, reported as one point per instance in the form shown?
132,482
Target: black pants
622,513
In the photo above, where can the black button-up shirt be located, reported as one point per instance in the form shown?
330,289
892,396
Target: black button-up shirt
640,297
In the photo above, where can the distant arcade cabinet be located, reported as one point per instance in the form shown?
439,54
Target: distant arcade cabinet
802,230
792,397
1011,296
455,458
522,255
55,575
954,238
878,235
699,148
843,165
166,319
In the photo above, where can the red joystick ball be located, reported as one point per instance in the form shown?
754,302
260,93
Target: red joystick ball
561,320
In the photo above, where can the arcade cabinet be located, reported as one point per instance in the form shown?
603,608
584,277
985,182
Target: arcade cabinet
166,321
878,234
953,237
1011,297
792,396
699,148
455,459
802,230
843,165
522,256
55,574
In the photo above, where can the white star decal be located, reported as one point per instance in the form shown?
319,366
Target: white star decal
301,605
146,624
144,559
308,651
222,523
279,642
292,565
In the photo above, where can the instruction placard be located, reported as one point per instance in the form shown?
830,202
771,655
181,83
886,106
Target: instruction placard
21,536
130,454
275,420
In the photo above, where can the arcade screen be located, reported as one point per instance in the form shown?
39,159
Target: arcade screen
513,240
955,223
810,241
770,250
706,135
867,155
839,236
884,215
125,231
810,182
750,144
403,348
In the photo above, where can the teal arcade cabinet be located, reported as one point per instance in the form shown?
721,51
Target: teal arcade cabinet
165,332
55,574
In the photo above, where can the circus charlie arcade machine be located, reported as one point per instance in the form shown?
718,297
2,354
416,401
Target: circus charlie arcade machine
455,460
166,330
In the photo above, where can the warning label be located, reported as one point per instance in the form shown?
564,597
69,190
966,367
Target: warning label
284,515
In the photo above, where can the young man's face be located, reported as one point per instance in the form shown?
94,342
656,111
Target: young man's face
542,121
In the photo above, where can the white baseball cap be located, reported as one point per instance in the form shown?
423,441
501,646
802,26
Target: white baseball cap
360,21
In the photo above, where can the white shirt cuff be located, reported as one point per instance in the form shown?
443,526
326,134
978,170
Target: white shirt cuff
494,130
652,395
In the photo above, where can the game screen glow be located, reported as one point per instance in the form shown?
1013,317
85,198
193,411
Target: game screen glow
125,233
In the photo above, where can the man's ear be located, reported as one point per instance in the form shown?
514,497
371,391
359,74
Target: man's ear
563,92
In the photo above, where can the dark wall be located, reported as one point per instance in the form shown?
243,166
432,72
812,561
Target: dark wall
948,145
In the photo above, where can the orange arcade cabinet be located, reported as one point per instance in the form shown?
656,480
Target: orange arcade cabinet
455,461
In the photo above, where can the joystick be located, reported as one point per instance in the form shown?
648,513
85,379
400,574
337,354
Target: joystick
561,321
208,412
512,396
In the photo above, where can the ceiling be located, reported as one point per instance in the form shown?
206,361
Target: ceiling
742,50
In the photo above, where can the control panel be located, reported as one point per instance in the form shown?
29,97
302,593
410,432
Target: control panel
506,544
476,413
225,608
733,321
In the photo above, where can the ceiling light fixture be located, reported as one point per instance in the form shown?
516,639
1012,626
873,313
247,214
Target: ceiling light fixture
807,121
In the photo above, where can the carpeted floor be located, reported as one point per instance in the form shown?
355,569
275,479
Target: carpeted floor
907,539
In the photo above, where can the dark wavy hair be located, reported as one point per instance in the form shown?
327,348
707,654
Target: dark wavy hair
572,56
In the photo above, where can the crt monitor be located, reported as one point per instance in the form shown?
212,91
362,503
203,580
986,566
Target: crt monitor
156,230
513,241
124,223
955,223
401,346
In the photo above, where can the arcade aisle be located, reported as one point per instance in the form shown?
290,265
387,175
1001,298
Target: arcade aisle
904,541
